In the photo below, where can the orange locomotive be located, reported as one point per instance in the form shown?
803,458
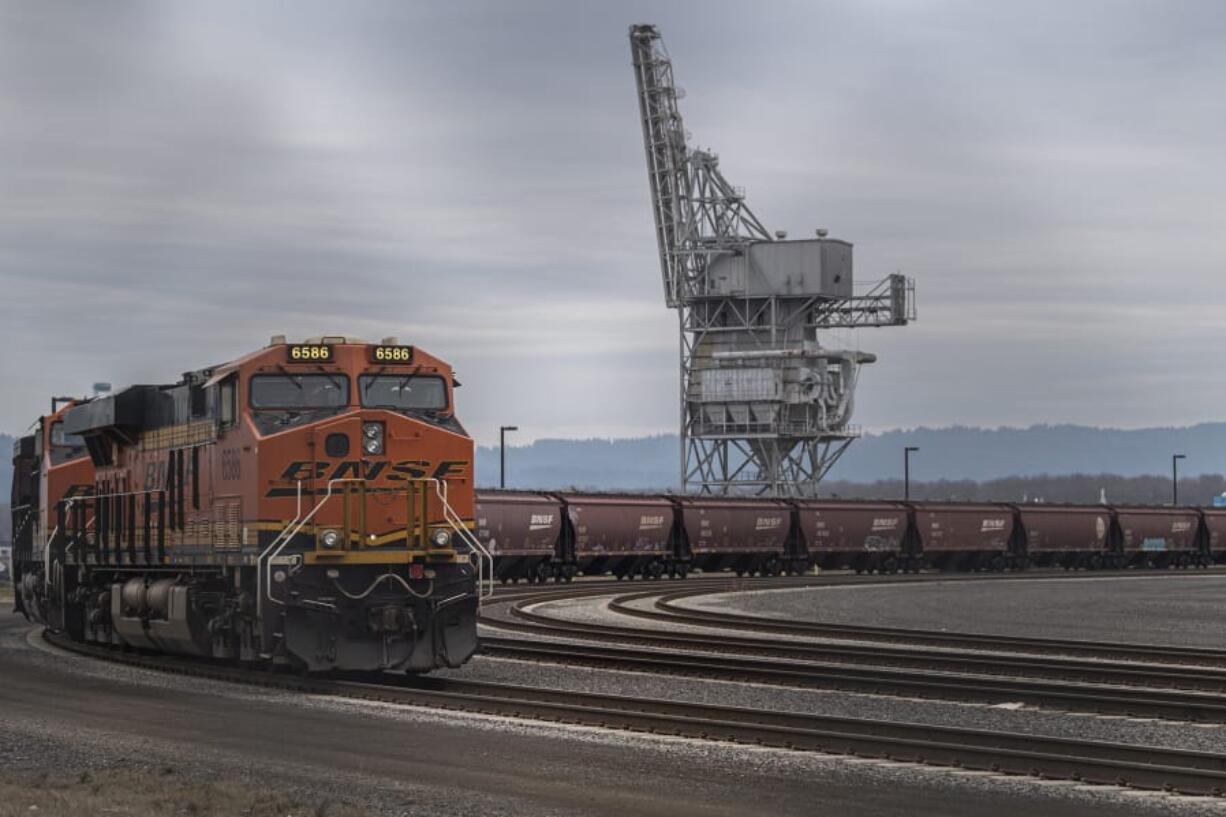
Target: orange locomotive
309,504
47,463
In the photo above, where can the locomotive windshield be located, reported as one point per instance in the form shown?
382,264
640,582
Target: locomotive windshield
403,391
299,391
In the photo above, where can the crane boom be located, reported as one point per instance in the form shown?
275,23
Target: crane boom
697,212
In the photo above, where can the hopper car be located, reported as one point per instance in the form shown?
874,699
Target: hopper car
308,505
649,536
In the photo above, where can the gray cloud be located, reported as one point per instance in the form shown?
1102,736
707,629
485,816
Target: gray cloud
182,181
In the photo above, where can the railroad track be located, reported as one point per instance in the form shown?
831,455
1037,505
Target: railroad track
838,577
1185,772
1130,701
666,609
521,617
1177,693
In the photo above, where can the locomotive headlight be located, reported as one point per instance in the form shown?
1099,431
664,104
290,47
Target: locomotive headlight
441,537
372,438
330,539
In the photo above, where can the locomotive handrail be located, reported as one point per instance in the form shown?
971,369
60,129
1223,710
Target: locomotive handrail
485,582
277,542
292,530
47,547
485,578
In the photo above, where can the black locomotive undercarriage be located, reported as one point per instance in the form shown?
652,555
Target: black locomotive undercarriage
315,618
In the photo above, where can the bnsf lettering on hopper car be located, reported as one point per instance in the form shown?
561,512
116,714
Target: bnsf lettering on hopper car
540,521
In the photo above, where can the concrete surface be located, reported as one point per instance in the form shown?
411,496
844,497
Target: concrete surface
1180,609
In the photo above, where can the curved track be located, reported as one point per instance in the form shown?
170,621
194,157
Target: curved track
682,641
1179,684
1199,773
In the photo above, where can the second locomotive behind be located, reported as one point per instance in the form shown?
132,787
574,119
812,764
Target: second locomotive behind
308,504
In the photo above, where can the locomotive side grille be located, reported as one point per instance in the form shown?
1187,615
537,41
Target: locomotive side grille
178,436
225,527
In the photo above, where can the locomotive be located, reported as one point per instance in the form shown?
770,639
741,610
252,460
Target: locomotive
537,536
308,505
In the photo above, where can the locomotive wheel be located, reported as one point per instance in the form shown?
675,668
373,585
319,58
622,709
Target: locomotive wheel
1096,562
998,564
890,565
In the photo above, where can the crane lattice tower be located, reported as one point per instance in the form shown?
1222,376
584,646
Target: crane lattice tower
765,408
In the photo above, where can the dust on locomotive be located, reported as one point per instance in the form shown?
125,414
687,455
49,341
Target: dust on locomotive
309,504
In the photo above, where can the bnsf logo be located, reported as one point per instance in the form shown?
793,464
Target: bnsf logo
992,524
322,471
768,522
540,521
649,522
885,523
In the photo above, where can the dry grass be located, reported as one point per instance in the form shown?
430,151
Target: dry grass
155,794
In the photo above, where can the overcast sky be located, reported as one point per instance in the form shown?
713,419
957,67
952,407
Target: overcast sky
181,181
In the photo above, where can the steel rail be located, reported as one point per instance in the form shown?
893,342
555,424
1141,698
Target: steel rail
528,621
666,609
1143,767
1070,697
839,577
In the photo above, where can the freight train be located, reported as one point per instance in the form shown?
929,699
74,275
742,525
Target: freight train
308,505
540,536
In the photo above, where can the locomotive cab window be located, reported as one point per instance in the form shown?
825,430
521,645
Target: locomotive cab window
227,401
299,391
403,392
199,401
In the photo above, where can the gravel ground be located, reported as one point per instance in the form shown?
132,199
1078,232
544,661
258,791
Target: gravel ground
1008,717
328,750
135,791
61,742
1180,610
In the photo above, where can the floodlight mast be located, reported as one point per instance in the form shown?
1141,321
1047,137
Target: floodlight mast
765,409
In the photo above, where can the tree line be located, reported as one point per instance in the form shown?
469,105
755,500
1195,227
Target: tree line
1074,488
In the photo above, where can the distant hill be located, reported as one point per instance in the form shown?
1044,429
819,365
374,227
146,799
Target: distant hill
955,453
634,464
1087,489
971,457
986,454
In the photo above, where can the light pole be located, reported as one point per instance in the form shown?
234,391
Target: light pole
1175,458
906,471
502,454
